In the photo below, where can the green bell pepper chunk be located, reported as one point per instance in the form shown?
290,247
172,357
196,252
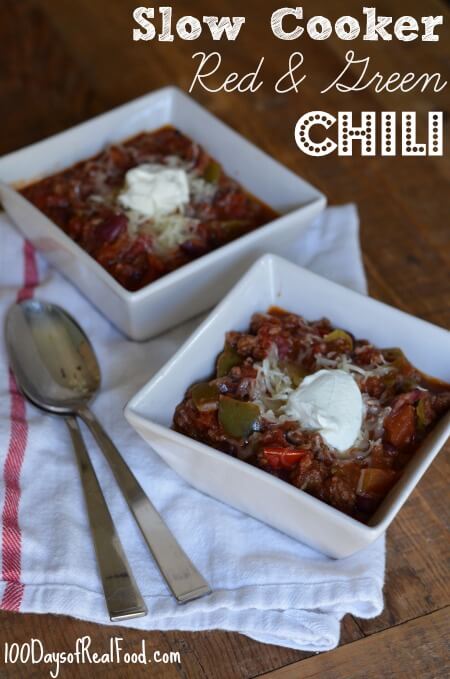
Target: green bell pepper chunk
228,359
238,418
212,172
422,415
205,396
295,372
337,334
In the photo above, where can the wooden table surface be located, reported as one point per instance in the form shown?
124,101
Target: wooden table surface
62,62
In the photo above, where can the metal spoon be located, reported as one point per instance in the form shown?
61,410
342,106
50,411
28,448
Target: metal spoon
122,596
57,369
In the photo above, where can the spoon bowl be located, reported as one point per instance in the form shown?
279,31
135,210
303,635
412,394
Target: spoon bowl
51,356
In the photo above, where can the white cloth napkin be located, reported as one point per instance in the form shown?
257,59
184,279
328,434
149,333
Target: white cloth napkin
265,584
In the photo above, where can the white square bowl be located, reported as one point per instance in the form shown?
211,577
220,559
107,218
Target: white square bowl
275,281
197,286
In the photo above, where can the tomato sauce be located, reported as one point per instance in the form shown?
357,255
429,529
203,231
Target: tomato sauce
236,412
83,201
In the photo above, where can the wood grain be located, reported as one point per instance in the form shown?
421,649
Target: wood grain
62,62
417,640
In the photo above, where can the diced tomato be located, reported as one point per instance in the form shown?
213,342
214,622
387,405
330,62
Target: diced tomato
283,458
400,426
375,481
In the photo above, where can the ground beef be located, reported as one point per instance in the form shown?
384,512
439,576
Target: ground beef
82,201
401,408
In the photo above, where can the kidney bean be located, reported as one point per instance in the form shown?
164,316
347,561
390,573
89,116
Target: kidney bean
111,228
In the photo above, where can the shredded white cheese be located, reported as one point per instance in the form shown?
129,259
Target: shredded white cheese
273,387
342,363
169,230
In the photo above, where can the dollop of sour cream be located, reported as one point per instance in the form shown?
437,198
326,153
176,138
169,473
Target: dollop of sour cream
154,190
330,402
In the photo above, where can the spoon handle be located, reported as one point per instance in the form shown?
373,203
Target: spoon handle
183,579
121,593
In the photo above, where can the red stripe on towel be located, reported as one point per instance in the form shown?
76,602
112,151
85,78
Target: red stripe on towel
30,273
11,534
